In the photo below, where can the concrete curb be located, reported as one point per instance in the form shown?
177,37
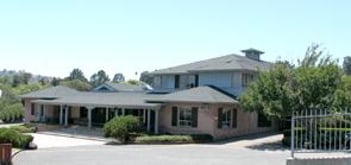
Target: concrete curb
74,136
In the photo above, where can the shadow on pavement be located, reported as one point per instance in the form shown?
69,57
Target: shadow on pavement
269,146
245,137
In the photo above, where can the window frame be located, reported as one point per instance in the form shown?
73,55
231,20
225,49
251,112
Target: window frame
247,78
188,118
226,118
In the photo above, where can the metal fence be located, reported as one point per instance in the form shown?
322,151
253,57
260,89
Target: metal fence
316,131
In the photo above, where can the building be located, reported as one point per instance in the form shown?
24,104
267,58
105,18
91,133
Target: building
195,98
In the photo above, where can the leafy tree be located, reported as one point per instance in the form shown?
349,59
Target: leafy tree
118,77
77,84
22,89
77,74
133,82
26,77
99,78
146,77
315,83
347,65
55,81
21,78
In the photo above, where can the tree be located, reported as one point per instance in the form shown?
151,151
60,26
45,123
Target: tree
99,78
133,82
312,84
77,84
77,74
146,77
26,77
55,81
347,65
118,77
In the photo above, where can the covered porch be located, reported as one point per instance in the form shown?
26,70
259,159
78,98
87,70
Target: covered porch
96,115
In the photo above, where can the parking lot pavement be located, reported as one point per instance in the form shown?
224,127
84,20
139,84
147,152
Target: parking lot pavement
204,154
49,141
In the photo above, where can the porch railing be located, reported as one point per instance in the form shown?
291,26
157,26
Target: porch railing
316,131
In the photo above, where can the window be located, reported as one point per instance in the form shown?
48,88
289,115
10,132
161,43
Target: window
184,116
157,81
83,112
246,79
176,81
227,118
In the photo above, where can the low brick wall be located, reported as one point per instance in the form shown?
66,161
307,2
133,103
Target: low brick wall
319,161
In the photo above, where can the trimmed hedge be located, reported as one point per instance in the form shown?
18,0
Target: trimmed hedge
23,129
17,139
173,139
155,139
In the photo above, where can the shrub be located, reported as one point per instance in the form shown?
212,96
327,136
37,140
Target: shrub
154,139
202,138
159,139
17,139
121,127
23,129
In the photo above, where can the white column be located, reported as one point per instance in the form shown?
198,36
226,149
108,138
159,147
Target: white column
144,116
66,116
123,112
61,114
148,119
44,112
107,113
116,112
156,121
89,116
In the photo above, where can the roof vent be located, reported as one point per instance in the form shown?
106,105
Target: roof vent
253,53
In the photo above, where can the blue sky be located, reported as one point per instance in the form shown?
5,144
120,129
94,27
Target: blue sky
53,37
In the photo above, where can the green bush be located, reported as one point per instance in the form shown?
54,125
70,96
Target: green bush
159,139
121,127
23,129
14,137
155,139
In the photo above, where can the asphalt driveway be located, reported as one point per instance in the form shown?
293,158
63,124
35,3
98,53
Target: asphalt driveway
260,151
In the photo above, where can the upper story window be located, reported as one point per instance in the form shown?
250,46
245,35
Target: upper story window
246,79
176,81
157,81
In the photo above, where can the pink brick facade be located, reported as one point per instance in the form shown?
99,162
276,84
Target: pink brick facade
207,122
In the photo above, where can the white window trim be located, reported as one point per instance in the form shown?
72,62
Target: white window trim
227,119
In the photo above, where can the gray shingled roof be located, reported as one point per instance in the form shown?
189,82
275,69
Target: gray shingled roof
52,92
133,100
202,94
228,62
126,87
